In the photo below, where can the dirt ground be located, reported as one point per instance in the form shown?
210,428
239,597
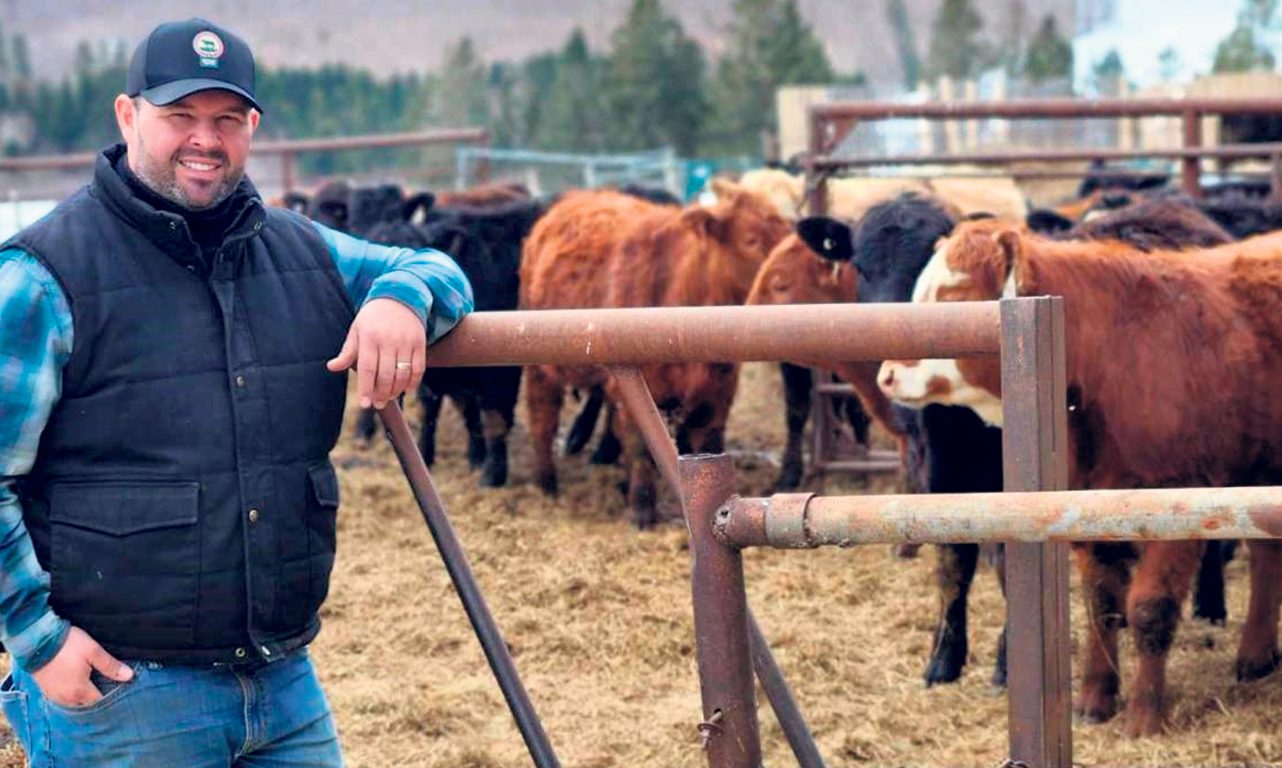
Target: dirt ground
599,620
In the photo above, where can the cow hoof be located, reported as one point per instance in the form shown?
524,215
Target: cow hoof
1215,615
547,482
998,682
475,452
645,519
1144,722
1095,712
1249,670
905,550
495,474
789,477
607,451
945,667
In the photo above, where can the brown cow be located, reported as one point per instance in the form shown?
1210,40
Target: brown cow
484,195
1186,400
608,249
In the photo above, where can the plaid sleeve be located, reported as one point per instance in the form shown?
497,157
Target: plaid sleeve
34,347
426,281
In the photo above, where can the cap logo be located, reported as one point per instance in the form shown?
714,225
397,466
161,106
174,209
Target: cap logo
209,47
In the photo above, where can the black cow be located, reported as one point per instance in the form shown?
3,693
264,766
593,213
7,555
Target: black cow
486,244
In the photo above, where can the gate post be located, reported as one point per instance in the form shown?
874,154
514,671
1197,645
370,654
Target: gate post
726,682
1035,458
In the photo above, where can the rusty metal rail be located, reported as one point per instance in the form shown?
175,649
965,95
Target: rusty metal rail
806,521
646,336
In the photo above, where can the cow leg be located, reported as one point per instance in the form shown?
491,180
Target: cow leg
431,404
1162,582
1257,654
999,667
470,406
543,399
366,427
1208,597
498,412
857,418
585,423
797,385
641,472
954,572
1106,574
608,449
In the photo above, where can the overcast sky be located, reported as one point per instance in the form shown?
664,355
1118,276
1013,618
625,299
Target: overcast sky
1142,29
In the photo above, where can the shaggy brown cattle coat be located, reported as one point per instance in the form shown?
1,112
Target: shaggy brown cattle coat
607,249
1172,363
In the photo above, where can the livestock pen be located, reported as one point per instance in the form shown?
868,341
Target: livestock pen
829,124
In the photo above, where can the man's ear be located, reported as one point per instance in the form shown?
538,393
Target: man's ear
126,117
827,237
254,117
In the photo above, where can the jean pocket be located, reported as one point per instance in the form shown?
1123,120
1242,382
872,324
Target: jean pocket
111,690
14,704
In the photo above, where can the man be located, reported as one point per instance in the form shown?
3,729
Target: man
171,383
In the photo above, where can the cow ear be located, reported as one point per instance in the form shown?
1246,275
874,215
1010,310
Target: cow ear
827,237
1011,245
415,208
296,202
335,211
701,220
724,189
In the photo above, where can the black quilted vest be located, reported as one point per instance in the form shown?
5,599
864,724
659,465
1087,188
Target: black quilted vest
182,498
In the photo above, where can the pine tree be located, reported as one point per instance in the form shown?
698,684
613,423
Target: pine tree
21,59
1108,73
770,46
462,93
1011,53
1243,50
1050,56
654,85
572,119
956,49
905,44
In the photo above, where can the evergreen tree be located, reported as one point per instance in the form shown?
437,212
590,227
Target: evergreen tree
1243,50
1050,56
21,59
654,83
770,46
1108,73
462,88
901,26
956,49
1011,53
572,119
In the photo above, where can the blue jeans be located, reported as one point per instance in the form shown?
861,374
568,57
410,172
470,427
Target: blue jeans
272,716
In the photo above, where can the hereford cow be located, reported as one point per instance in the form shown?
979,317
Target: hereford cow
606,249
1139,419
950,450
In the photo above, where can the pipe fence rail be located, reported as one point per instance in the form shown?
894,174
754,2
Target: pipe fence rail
1036,517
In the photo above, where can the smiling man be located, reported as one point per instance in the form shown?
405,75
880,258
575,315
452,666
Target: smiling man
172,380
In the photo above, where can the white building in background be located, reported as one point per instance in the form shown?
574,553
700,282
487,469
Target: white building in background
1140,30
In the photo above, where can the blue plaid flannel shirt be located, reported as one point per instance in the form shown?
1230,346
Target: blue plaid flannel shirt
36,341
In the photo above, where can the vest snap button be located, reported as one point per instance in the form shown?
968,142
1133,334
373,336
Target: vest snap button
240,653
266,651
173,225
253,516
240,381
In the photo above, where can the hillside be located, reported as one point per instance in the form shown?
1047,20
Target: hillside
397,35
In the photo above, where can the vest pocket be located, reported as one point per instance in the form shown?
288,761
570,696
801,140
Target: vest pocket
125,560
322,521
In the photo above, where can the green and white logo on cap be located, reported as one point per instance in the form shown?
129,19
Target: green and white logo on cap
209,47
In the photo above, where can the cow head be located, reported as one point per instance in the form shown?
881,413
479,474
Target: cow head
981,261
783,190
737,233
794,274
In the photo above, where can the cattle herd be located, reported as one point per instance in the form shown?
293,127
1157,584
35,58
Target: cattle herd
1173,310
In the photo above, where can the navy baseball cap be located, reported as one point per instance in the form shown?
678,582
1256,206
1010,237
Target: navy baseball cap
182,57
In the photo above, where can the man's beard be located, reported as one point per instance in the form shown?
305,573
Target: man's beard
163,179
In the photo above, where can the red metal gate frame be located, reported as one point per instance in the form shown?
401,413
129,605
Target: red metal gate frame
829,124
